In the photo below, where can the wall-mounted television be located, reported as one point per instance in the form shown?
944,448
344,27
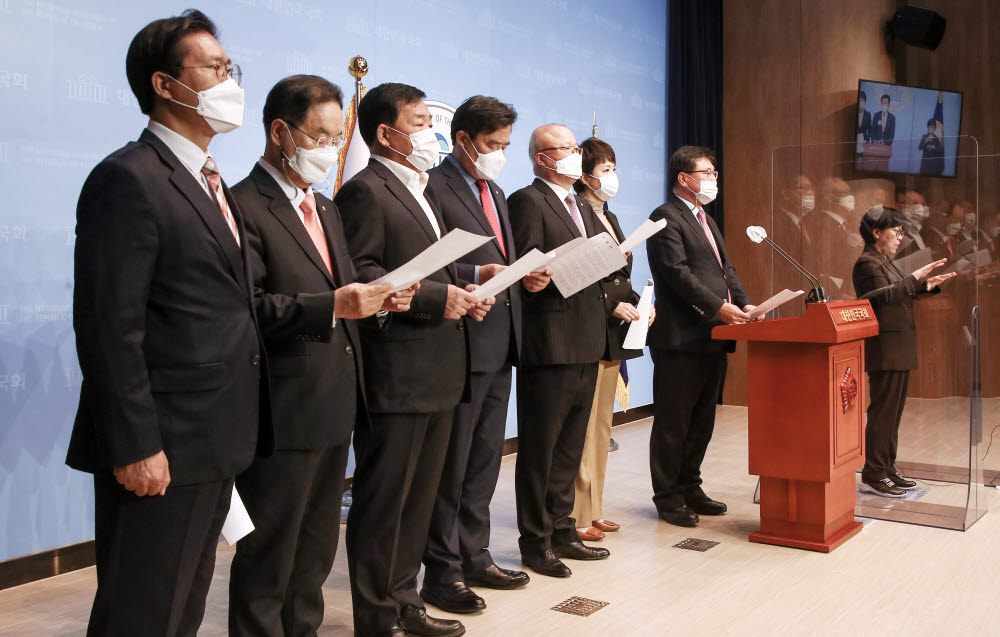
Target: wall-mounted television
907,129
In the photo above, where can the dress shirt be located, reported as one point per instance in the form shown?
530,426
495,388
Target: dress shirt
561,193
286,186
415,182
190,154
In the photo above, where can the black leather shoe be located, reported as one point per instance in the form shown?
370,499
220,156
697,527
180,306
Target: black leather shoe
704,505
680,516
577,551
416,621
499,578
902,481
455,597
545,563
396,630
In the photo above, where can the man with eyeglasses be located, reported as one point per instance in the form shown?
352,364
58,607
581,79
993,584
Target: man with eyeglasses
174,402
562,341
307,299
696,289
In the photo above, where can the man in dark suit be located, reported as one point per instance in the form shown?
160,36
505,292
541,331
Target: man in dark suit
307,299
563,340
832,224
416,366
174,381
864,123
462,186
696,289
883,128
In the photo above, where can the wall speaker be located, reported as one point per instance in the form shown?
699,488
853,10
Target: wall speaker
917,26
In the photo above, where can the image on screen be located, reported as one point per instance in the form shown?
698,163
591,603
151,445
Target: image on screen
907,129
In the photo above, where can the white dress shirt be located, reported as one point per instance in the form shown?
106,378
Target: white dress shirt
190,154
415,182
298,195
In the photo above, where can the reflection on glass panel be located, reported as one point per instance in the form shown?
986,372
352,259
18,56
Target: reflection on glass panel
819,198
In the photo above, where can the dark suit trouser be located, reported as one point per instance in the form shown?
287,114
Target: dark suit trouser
277,575
155,557
888,397
460,528
394,487
685,392
553,408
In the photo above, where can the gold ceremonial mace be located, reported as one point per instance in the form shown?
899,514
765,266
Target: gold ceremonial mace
594,130
358,68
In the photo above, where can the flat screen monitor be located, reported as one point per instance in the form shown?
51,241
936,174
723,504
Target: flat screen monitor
907,129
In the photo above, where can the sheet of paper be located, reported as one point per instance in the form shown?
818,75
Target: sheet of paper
965,264
914,261
636,336
647,229
534,261
784,296
448,249
590,261
238,524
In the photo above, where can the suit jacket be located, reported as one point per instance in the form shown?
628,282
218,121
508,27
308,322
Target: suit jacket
497,338
891,294
166,333
557,330
876,132
617,288
690,286
830,256
865,128
417,361
316,369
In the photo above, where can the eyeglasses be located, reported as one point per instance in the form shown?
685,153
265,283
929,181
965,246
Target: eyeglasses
574,149
709,172
322,142
222,71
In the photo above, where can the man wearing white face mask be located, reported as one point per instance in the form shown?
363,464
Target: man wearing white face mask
564,339
696,289
830,255
915,211
598,185
416,368
463,188
308,300
174,402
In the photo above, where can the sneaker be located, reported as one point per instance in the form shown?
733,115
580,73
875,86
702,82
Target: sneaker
902,481
884,488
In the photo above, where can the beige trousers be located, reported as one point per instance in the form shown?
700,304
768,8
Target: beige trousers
594,462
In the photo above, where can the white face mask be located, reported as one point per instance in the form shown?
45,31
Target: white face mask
609,186
312,164
970,220
487,165
707,191
221,105
995,231
953,228
915,214
569,166
425,149
808,203
847,202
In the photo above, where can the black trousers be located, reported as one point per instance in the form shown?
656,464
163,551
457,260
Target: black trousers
276,578
686,389
399,462
155,557
553,407
888,397
460,528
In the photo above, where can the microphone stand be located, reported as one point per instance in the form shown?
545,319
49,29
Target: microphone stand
816,294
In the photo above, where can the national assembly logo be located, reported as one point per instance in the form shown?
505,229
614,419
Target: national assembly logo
441,115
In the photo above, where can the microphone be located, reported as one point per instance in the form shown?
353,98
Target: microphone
757,234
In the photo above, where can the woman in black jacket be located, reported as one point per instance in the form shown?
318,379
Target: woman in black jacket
598,184
891,354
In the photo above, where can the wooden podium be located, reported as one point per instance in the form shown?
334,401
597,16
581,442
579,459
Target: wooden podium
806,420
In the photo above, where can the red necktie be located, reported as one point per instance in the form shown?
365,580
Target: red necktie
211,172
715,248
491,213
311,222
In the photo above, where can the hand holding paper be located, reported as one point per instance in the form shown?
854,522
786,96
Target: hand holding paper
636,336
784,296
451,247
531,262
581,262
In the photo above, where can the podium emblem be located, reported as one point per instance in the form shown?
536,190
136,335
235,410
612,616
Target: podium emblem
849,391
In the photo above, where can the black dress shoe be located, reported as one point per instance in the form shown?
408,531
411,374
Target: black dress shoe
416,621
902,481
704,505
545,563
396,630
499,578
455,597
680,516
577,551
